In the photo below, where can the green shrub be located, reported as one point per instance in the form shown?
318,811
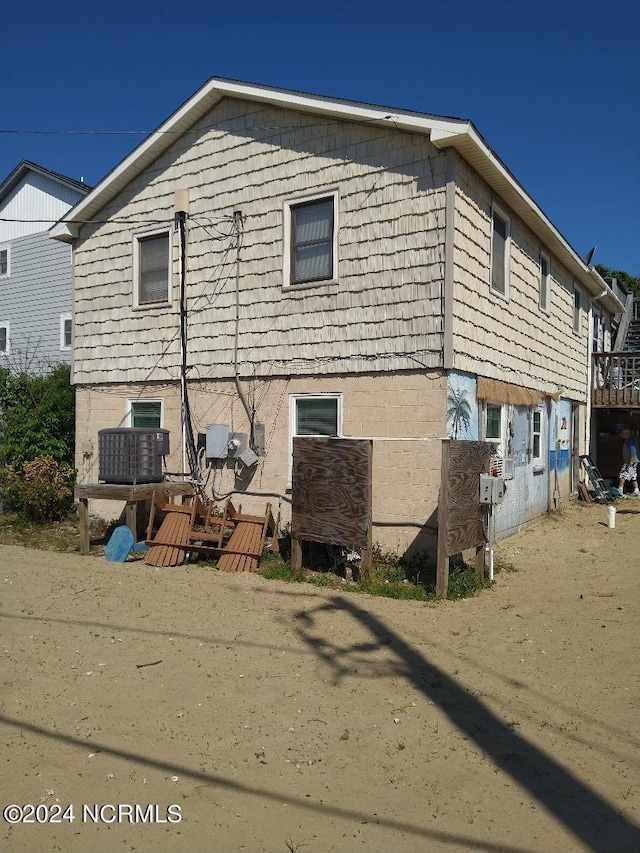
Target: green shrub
39,490
37,416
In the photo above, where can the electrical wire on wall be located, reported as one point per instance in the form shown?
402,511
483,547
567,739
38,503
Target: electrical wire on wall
189,447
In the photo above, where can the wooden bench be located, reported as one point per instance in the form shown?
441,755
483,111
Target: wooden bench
177,535
170,544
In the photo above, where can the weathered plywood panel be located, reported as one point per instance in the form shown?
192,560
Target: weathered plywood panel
467,460
332,491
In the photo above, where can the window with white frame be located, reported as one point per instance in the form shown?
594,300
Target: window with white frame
311,240
5,345
536,434
152,268
500,251
66,332
145,413
494,435
4,261
314,415
577,309
545,282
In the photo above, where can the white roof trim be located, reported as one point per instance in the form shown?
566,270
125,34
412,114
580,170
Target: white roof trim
443,132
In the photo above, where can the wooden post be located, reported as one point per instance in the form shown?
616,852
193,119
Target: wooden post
83,519
480,562
131,517
296,555
442,571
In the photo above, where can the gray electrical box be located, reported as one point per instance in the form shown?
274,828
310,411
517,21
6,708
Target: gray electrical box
217,441
222,444
259,439
237,444
491,489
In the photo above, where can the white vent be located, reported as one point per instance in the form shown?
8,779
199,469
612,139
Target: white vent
496,465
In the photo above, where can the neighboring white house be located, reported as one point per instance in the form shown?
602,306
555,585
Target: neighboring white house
35,273
349,269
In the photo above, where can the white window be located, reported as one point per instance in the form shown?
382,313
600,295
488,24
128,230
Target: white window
545,282
311,240
66,332
537,435
500,252
5,344
577,305
5,268
494,435
145,413
152,268
314,415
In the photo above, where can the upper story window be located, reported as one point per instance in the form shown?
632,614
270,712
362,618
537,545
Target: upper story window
4,261
500,251
152,268
5,347
311,240
545,282
145,413
66,331
577,308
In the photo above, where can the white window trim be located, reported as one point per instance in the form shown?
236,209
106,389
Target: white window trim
141,235
495,208
545,307
540,433
286,239
64,318
6,351
130,403
577,310
293,401
6,247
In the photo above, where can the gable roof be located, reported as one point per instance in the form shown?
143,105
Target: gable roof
25,166
444,132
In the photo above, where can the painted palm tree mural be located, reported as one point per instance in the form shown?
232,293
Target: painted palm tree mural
458,413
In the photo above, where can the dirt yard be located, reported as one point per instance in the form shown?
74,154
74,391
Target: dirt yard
241,714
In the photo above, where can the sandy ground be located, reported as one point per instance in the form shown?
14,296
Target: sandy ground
278,717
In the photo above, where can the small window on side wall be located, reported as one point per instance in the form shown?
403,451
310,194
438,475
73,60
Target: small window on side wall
577,309
310,240
537,434
545,282
4,261
66,332
5,346
500,252
145,413
152,268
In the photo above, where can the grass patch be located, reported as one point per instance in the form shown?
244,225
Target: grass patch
411,579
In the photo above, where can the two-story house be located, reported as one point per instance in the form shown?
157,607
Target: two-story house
334,268
35,272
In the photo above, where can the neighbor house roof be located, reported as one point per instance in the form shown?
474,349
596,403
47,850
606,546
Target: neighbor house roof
25,166
444,132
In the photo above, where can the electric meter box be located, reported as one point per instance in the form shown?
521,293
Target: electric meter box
491,489
222,444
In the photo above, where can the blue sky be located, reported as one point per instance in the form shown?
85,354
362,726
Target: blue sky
554,87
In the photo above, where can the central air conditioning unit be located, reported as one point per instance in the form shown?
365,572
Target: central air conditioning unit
132,455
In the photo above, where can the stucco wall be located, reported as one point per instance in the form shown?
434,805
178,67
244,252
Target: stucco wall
399,405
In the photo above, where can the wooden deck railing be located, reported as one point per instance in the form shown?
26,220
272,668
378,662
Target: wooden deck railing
616,379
